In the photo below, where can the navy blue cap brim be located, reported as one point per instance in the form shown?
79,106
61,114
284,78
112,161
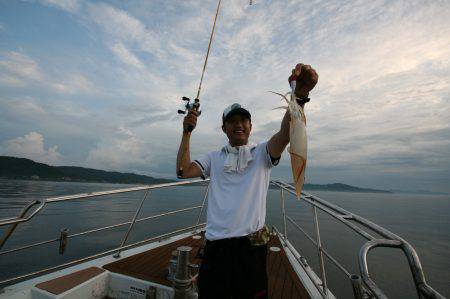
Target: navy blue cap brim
237,111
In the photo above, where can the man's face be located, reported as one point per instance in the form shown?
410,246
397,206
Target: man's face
237,128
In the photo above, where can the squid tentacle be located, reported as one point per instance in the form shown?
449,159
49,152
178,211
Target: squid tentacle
281,95
281,107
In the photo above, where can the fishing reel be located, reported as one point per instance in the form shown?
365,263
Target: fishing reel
190,106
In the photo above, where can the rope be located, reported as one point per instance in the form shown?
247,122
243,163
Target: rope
209,48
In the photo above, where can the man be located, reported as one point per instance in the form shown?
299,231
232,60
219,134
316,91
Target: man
234,261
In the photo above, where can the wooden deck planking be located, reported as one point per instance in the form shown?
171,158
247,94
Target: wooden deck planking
152,266
287,291
64,283
273,273
282,276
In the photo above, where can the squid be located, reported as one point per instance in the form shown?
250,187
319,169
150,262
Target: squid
298,139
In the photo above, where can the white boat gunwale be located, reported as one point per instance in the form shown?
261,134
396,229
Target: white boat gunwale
96,262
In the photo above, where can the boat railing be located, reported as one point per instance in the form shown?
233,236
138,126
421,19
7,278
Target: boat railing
363,285
13,222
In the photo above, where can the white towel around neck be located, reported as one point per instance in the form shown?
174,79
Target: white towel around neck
238,157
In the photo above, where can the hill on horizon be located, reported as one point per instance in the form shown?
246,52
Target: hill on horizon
26,169
342,187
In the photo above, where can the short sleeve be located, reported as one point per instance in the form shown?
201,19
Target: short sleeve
269,161
205,164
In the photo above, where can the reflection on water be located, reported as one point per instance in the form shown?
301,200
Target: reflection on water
423,220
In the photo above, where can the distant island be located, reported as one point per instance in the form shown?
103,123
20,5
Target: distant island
342,187
25,169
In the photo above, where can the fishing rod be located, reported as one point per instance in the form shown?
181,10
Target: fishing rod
195,106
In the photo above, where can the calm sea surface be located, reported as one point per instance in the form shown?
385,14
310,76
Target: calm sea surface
423,220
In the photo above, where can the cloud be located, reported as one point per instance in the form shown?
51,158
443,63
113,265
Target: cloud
20,70
73,83
121,150
20,65
124,27
126,56
71,6
31,146
26,107
11,81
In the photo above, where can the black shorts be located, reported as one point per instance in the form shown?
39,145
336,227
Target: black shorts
233,268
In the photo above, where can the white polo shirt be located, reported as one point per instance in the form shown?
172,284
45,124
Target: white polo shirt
236,201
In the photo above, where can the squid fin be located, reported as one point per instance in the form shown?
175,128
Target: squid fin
298,164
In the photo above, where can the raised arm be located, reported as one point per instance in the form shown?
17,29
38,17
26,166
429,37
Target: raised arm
280,140
185,168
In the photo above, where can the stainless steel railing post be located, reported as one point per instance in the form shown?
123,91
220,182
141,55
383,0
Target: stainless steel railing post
203,206
117,255
284,214
319,251
12,227
357,286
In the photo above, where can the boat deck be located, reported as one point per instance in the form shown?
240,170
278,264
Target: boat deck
152,265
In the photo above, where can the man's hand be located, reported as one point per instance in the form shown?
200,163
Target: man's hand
190,121
185,168
306,79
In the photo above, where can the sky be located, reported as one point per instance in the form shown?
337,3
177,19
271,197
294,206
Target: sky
98,83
